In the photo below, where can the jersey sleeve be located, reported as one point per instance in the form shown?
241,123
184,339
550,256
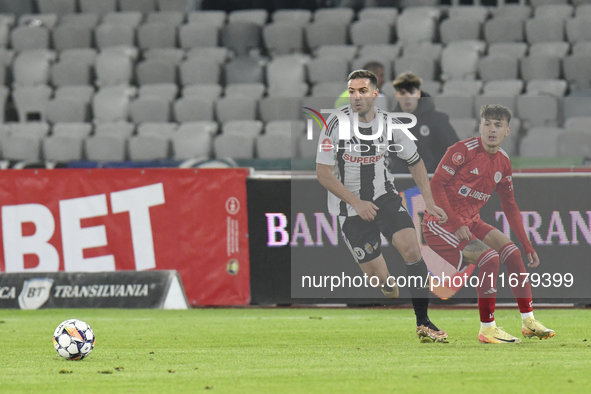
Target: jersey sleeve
326,151
505,190
409,151
452,160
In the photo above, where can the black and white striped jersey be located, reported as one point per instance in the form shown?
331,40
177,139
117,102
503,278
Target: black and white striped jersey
361,164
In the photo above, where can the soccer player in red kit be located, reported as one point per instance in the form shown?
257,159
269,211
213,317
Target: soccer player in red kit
463,182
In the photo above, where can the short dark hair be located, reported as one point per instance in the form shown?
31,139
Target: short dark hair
360,74
407,81
373,66
495,111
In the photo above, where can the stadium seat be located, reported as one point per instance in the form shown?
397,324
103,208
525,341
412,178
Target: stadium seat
582,48
274,146
284,73
497,67
327,69
81,55
471,12
113,69
432,50
253,90
150,109
31,102
283,38
235,108
455,29
257,16
152,71
459,62
472,88
114,34
503,29
189,143
120,129
24,141
193,108
538,146
423,66
237,146
242,38
389,51
513,49
294,16
431,87
521,12
175,18
578,123
209,17
111,104
577,103
105,148
71,36
166,91
195,71
307,148
82,93
245,69
69,72
59,7
83,20
143,6
66,110
285,127
325,33
556,87
32,68
538,110
465,128
345,52
370,32
343,16
280,108
386,14
128,18
207,91
583,9
173,55
249,127
577,29
147,148
574,143
360,62
4,35
49,21
455,105
193,35
577,71
100,7
413,28
546,29
562,11
63,148
328,89
157,35
24,38
557,49
538,3
172,5
540,67
157,129
216,54
72,129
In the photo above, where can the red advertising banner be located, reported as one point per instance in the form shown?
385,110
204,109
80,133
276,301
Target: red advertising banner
77,220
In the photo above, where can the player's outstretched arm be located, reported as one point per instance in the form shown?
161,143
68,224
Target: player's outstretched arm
367,210
419,174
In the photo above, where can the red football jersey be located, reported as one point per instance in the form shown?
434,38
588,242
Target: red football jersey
472,174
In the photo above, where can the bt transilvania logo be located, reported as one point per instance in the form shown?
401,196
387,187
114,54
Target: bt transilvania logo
344,130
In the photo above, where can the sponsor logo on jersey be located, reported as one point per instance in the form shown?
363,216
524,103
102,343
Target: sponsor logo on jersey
424,130
464,190
448,169
327,145
468,192
362,159
498,176
360,253
474,171
457,158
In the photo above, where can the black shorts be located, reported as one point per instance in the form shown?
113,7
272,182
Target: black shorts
363,238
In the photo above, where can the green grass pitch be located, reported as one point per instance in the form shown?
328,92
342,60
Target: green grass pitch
292,351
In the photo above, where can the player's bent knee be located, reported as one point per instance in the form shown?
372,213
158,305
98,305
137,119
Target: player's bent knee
473,250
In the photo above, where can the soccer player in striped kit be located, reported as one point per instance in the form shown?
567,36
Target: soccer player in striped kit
463,182
362,194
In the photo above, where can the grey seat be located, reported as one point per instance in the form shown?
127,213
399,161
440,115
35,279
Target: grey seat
538,110
577,103
148,148
28,37
389,51
472,88
498,67
327,69
72,129
544,29
70,73
112,105
556,87
235,108
166,91
193,108
81,55
207,91
175,18
370,32
511,87
558,49
128,18
284,74
280,108
216,54
423,66
456,29
194,35
119,129
32,68
455,104
318,34
298,17
3,98
48,21
386,14
465,128
254,90
577,29
250,127
513,49
173,55
191,143
459,62
274,146
210,17
150,109
244,70
72,36
195,71
63,148
82,93
157,35
100,7
521,12
105,148
114,34
88,20
503,29
471,12
257,16
113,69
540,67
152,71
574,143
144,6
66,110
172,5
241,37
31,102
328,89
283,37
237,146
562,11
59,7
577,71
415,27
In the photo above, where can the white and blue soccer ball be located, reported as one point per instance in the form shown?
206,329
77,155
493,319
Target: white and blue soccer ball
73,339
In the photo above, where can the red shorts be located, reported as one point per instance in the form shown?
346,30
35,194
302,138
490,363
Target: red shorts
442,240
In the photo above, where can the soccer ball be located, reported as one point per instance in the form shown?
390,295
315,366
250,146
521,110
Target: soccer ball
73,339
